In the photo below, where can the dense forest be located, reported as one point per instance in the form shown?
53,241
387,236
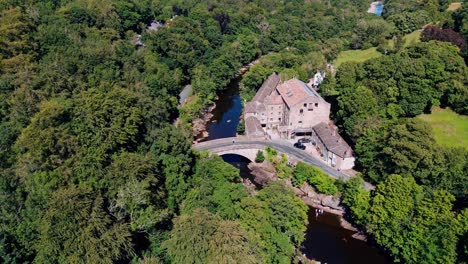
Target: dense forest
93,169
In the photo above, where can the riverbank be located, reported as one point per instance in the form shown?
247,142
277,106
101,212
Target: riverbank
199,131
264,173
214,113
326,241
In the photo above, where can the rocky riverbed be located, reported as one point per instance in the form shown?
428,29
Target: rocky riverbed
199,124
265,172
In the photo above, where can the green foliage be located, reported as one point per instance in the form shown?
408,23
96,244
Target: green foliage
410,150
315,177
410,80
190,237
280,163
278,217
356,199
76,227
241,127
271,154
202,237
259,158
398,86
14,29
355,107
214,186
92,168
407,22
173,154
231,243
370,32
407,222
282,167
135,191
252,80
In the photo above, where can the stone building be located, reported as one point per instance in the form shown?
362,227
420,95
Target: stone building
292,109
288,108
331,146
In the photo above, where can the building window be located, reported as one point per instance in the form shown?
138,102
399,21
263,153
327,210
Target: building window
272,108
271,113
263,114
305,105
301,111
316,104
271,119
255,114
279,119
279,113
300,122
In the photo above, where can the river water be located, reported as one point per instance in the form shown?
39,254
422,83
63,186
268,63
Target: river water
226,114
325,240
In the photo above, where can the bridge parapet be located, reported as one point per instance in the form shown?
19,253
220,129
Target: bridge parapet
248,148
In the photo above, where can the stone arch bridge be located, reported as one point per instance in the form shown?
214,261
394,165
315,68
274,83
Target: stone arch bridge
248,148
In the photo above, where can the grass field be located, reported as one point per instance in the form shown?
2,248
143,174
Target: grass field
372,53
449,128
454,6
357,56
409,39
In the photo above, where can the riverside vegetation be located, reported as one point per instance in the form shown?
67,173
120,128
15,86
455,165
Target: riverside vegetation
92,168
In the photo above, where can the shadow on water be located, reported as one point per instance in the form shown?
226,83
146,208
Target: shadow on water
241,163
226,114
326,241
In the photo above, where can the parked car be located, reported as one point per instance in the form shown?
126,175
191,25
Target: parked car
299,145
303,140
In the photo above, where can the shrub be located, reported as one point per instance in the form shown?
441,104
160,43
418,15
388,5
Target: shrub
315,177
271,154
241,128
357,199
281,165
259,158
300,174
323,183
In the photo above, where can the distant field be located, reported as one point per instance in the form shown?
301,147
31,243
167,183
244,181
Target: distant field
454,6
449,128
357,56
409,39
372,53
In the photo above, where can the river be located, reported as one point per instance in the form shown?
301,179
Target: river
226,113
325,240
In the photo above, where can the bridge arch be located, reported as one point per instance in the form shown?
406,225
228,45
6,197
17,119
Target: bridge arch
249,154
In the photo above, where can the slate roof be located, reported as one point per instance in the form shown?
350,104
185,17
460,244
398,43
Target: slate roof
294,91
332,140
254,107
267,88
274,99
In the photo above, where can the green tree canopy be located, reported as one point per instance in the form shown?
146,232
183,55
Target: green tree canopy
278,217
76,227
413,225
